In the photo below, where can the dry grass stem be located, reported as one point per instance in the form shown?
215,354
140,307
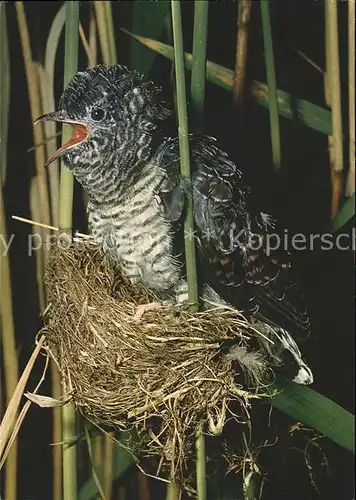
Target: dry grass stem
9,420
243,18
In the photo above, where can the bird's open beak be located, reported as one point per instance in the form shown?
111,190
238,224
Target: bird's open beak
80,132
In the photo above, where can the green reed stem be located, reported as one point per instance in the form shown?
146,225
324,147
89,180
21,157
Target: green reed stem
70,68
111,32
200,463
184,153
65,224
271,83
200,37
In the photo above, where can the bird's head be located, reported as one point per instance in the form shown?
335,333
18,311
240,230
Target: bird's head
112,111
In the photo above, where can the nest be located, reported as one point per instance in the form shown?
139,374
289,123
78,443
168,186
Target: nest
130,362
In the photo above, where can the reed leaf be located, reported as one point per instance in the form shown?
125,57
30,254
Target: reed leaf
148,19
35,110
53,42
41,254
87,48
316,411
272,86
346,213
122,461
300,110
48,103
9,420
90,443
50,141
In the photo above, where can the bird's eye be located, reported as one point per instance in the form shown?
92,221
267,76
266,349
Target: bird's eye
97,114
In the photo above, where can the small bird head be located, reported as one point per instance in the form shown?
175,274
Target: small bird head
112,111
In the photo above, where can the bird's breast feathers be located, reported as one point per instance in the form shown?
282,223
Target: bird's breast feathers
137,235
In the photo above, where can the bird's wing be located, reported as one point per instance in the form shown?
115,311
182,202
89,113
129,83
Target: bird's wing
232,244
171,191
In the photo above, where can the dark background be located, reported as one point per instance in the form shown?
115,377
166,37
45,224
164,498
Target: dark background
300,198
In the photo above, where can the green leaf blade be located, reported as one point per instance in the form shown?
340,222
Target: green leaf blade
315,410
346,213
123,459
148,19
307,113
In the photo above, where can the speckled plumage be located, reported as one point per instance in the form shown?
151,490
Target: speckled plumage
130,170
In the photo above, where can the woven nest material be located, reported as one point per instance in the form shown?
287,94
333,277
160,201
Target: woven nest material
158,369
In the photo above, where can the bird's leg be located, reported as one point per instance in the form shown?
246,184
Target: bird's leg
178,296
209,299
181,292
